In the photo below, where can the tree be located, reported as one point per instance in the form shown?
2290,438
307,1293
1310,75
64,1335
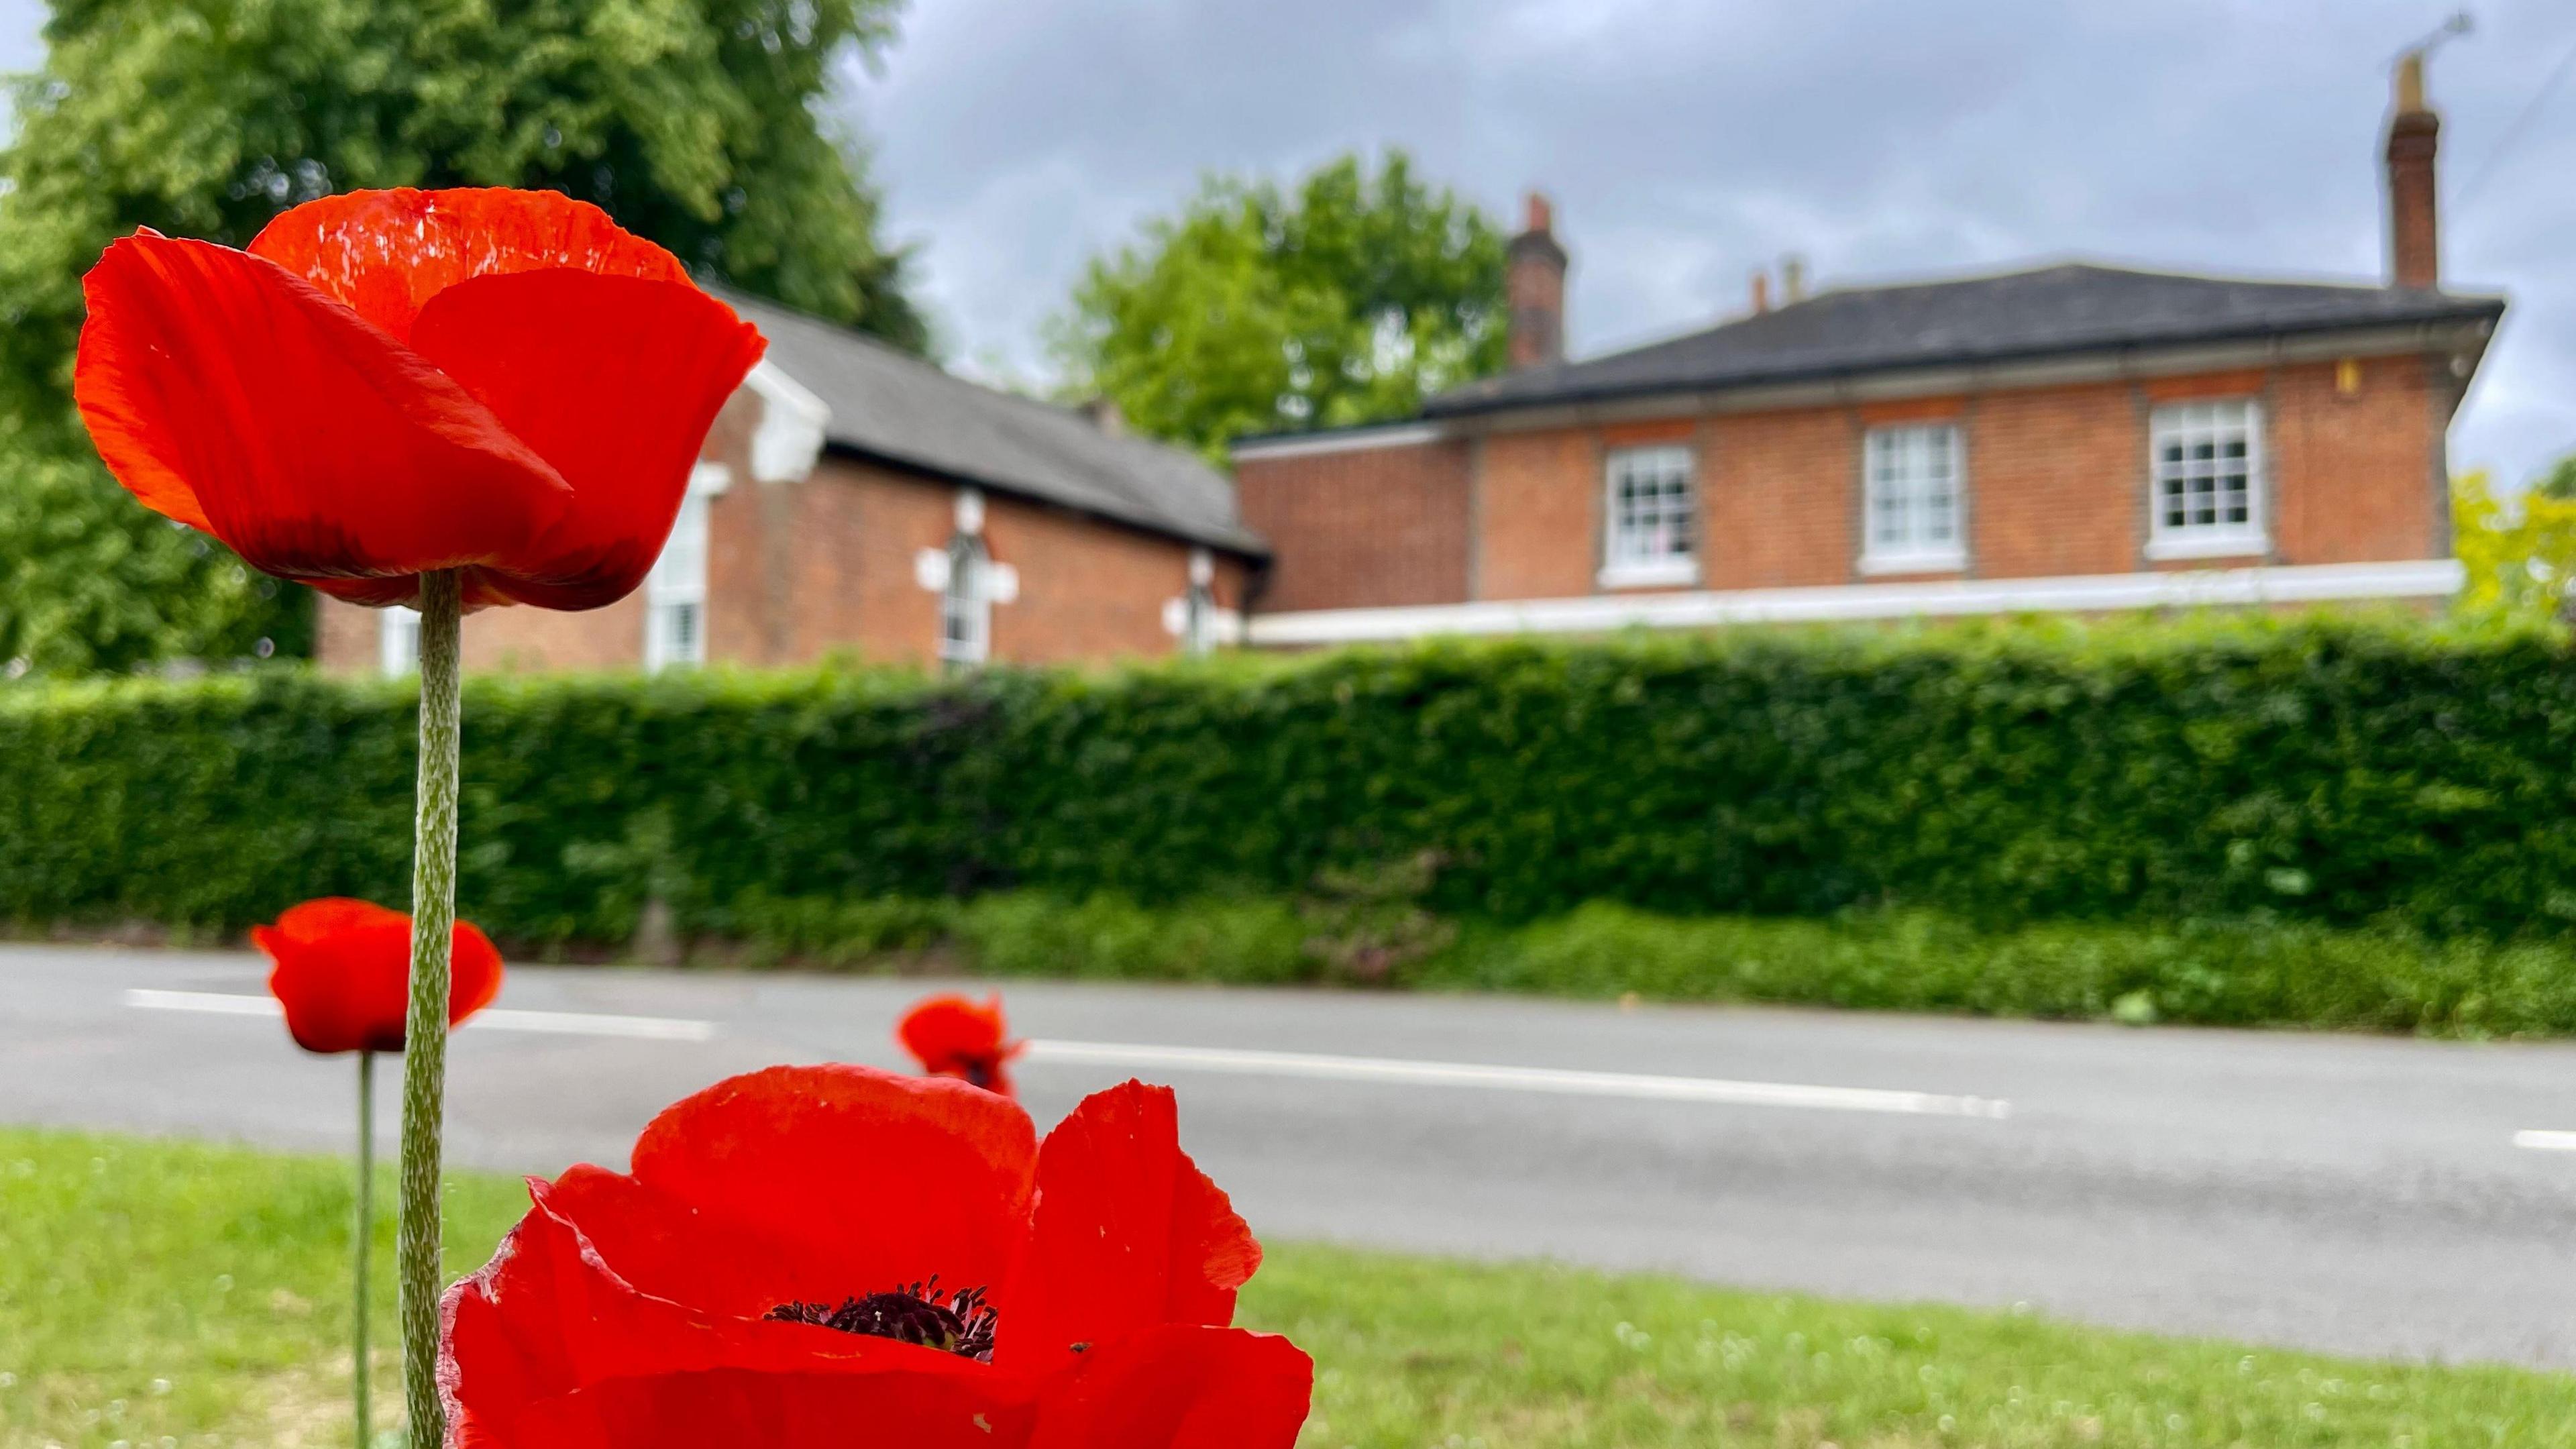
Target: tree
1255,310
691,121
2520,555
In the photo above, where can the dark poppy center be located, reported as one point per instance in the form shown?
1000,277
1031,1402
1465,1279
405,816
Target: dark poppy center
960,1322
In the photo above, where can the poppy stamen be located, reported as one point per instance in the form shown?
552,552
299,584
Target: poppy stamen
961,1323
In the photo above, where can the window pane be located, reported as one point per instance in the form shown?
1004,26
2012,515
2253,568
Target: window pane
1913,489
1650,505
2205,468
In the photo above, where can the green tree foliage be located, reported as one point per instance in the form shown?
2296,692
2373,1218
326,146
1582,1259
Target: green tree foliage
1261,310
692,121
2520,553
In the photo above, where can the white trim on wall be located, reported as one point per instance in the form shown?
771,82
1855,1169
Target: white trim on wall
398,641
1397,435
2086,593
792,422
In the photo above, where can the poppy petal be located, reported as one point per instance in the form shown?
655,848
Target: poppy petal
1180,1387
473,971
234,397
664,1247
1128,1233
342,971
869,1178
613,381
549,1345
386,253
737,1407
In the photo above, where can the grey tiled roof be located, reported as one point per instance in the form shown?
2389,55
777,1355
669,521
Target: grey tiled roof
2066,309
894,408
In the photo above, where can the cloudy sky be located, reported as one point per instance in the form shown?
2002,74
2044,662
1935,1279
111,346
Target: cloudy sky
1687,142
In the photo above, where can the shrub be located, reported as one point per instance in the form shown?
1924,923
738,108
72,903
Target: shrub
2335,772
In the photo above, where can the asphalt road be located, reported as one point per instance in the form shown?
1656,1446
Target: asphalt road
2352,1194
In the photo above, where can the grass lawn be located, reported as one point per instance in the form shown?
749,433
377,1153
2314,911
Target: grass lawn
170,1294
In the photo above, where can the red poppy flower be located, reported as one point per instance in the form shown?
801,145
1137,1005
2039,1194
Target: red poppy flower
839,1255
391,382
952,1036
343,972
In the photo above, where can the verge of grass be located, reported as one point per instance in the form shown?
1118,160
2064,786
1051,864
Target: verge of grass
156,1293
2218,973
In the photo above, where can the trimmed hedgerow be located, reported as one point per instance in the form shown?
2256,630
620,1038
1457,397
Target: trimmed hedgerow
2331,772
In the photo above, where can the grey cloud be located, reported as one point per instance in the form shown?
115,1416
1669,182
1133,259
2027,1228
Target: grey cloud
1687,144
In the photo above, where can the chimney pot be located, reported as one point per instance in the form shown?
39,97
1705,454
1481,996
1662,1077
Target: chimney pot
1534,289
1793,278
1761,292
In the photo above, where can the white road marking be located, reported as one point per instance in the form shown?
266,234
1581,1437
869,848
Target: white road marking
1518,1079
497,1018
1262,1064
2539,1140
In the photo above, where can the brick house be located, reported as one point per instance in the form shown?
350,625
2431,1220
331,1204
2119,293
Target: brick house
854,501
2066,437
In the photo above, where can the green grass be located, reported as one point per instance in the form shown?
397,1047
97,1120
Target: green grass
2213,973
157,1294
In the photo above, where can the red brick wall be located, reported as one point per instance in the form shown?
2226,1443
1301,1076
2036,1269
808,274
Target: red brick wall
1537,515
1776,499
2056,480
2359,475
1088,592
797,572
1366,527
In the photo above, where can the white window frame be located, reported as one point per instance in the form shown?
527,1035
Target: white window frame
966,605
2184,426
398,641
675,592
1657,545
1905,471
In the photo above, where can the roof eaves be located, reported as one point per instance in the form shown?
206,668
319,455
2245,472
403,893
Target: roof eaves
1454,405
1242,542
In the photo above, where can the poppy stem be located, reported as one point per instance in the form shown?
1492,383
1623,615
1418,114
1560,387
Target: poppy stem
433,934
366,1232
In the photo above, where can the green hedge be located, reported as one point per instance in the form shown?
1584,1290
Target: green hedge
2333,772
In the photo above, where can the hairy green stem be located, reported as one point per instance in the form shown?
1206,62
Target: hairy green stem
433,930
366,1232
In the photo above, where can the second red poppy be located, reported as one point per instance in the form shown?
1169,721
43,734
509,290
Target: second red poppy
342,970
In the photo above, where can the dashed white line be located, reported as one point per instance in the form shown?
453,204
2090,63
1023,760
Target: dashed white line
1519,1079
1242,1062
558,1023
2540,1140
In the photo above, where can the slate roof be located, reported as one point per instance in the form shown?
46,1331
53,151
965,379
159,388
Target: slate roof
890,407
2055,310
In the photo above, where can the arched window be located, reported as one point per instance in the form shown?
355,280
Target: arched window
966,605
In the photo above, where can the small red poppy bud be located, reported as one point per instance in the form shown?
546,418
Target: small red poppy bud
952,1036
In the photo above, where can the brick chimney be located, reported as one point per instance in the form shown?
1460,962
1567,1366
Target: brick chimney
2414,132
1534,288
